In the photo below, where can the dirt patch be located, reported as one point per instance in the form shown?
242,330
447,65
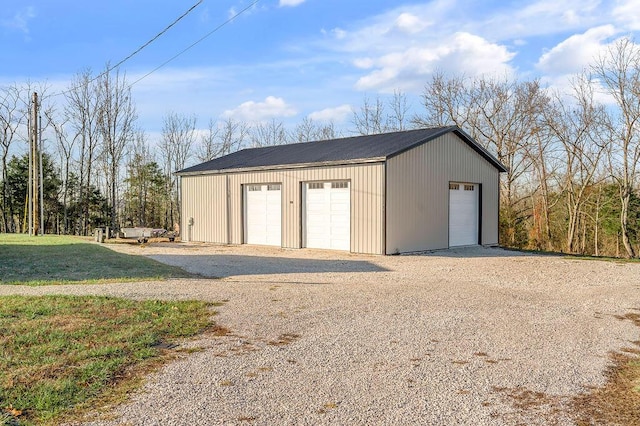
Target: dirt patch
284,339
617,402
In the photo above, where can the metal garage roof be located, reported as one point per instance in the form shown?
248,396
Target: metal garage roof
336,151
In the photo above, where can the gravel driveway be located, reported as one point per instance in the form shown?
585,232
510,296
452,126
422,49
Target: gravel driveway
472,336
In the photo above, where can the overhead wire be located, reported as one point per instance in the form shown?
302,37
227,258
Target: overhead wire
139,49
216,29
183,51
156,36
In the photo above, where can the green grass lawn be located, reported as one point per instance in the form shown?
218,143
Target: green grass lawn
60,354
54,259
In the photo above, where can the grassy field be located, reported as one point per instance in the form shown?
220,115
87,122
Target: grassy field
62,356
53,259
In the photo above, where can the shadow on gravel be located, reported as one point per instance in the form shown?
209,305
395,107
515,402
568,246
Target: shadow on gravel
480,251
221,265
474,251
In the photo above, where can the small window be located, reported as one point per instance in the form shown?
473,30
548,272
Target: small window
254,188
339,184
316,185
275,187
454,186
469,187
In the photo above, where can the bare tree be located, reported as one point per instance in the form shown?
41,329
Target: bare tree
370,119
116,119
309,130
580,127
618,71
65,145
11,117
267,134
142,180
327,131
446,101
398,119
178,138
305,131
222,139
543,194
82,109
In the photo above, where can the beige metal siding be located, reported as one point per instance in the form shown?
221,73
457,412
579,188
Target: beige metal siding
204,199
367,202
418,194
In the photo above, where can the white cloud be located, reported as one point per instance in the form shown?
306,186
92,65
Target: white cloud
205,15
364,63
290,2
541,17
410,23
20,20
576,52
567,12
339,33
337,114
564,85
401,48
252,111
461,53
564,62
628,12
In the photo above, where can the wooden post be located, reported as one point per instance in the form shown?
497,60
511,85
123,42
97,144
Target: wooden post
29,183
41,173
34,163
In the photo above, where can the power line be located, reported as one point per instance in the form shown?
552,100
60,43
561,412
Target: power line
155,38
216,29
135,52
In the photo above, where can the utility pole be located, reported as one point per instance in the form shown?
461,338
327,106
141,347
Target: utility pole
41,179
33,169
29,183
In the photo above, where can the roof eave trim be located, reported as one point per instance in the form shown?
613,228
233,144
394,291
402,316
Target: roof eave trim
284,166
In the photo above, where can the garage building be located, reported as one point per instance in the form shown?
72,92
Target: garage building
389,193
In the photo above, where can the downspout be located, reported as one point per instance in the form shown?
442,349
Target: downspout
228,209
384,209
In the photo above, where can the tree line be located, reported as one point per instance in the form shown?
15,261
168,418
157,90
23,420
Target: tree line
572,156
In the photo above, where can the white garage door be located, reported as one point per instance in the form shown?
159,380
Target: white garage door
263,214
328,215
463,214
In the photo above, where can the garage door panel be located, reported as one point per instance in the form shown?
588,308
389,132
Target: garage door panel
339,207
328,215
263,206
463,214
315,208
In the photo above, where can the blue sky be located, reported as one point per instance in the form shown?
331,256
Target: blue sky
290,59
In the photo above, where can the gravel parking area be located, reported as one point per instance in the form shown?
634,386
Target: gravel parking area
474,336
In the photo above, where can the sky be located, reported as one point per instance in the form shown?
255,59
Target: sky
291,59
